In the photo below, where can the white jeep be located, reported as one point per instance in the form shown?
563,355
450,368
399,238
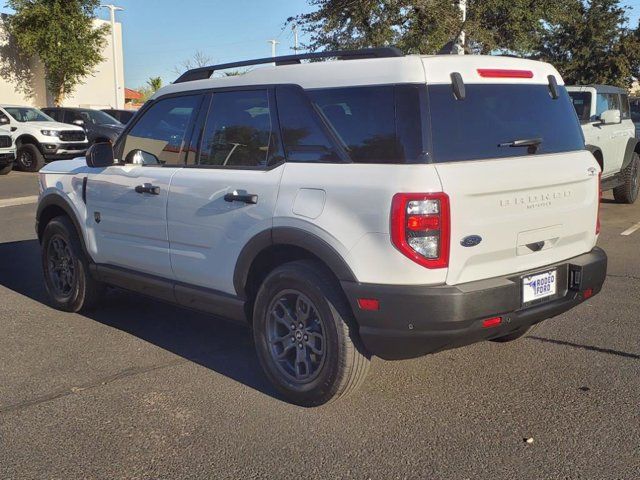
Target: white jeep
379,204
610,135
39,138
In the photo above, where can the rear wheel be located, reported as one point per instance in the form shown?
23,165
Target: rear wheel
305,337
628,191
6,169
66,269
29,158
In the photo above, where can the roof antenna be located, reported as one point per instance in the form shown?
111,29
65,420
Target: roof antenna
457,84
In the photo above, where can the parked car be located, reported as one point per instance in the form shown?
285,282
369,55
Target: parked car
99,126
39,138
634,103
123,116
609,132
387,205
7,148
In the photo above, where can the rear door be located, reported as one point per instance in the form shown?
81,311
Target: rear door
512,161
127,203
227,193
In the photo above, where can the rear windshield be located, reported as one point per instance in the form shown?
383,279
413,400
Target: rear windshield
493,119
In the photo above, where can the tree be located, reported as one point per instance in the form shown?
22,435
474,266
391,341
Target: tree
154,83
62,34
199,59
591,44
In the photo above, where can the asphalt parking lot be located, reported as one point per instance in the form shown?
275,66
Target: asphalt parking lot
139,389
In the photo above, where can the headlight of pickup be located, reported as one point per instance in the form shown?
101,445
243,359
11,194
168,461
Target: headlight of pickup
50,133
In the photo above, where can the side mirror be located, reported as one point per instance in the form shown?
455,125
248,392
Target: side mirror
610,117
78,122
4,121
140,157
100,155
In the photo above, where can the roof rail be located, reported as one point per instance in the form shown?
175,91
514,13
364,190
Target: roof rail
202,73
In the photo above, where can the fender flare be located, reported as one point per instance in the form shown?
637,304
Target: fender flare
54,199
593,149
294,237
632,146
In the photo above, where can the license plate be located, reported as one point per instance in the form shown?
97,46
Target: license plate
540,285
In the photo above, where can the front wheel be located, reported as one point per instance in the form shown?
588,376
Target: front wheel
305,336
29,158
66,269
628,191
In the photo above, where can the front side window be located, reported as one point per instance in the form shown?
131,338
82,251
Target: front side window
582,104
161,130
238,131
606,101
491,119
25,114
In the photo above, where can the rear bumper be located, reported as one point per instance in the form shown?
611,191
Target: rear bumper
416,320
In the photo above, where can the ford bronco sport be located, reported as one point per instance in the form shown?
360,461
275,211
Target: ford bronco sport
610,134
377,204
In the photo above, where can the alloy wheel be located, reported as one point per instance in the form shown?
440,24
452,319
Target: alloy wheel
61,267
296,336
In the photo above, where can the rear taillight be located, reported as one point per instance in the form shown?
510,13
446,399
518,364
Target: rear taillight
421,226
599,200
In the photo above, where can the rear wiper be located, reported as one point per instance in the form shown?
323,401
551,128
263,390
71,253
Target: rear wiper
526,142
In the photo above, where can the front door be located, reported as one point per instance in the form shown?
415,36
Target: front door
127,203
229,193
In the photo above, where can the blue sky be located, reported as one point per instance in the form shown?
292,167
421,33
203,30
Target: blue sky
160,34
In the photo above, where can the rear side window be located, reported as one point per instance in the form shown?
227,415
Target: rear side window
491,117
624,107
57,115
380,124
582,104
238,130
161,129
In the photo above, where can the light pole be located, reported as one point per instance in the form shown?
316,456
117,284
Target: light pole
112,11
273,47
460,41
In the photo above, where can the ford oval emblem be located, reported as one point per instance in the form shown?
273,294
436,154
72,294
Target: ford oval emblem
471,241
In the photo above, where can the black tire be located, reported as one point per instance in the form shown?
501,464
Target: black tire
66,269
516,335
342,364
29,158
628,191
6,169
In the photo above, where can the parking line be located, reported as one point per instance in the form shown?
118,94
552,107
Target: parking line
12,202
629,231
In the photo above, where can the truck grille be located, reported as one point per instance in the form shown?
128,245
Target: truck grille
73,146
71,136
5,141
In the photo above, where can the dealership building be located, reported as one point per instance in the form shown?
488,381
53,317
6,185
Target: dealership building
97,90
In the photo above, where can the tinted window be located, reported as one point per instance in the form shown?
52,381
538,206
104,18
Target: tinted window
303,137
75,115
57,115
582,104
238,130
365,121
624,106
161,130
494,115
635,109
607,101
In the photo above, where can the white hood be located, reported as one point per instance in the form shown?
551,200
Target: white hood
52,126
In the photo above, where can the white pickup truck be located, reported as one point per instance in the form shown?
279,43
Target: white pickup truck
610,134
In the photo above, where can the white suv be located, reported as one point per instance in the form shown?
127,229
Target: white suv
379,204
39,138
7,150
610,135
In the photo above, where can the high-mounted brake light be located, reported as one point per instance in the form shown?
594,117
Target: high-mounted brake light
599,201
421,227
502,73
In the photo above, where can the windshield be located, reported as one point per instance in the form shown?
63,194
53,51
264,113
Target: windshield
25,114
496,121
100,118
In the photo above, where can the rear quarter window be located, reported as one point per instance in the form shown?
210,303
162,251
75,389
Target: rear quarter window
493,115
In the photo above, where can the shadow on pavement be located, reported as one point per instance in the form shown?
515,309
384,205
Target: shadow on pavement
219,345
586,347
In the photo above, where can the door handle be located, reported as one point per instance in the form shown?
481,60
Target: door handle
148,188
241,197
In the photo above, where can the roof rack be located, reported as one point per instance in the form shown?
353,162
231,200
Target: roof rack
202,73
